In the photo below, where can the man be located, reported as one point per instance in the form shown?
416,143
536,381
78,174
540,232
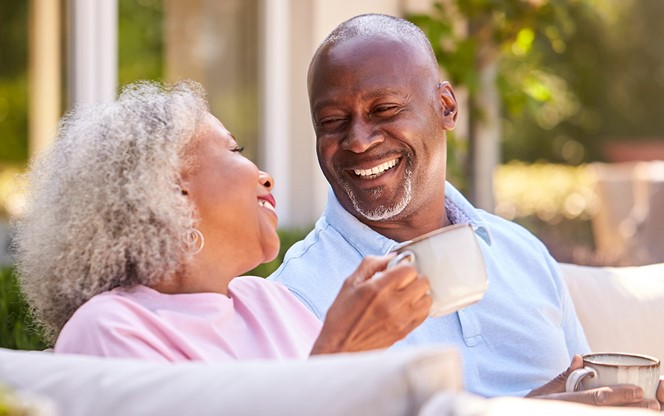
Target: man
380,115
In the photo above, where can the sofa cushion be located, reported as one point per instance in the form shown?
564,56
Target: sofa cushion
620,308
373,383
462,404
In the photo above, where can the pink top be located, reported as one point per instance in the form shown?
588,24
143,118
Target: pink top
259,319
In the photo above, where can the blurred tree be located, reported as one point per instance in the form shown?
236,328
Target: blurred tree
13,81
140,43
140,47
572,74
611,75
472,38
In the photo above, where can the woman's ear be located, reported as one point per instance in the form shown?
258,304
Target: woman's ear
183,184
449,105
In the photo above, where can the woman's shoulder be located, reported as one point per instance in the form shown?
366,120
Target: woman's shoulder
259,287
252,283
99,320
116,304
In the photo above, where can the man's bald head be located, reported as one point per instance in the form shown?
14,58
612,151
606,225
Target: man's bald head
374,26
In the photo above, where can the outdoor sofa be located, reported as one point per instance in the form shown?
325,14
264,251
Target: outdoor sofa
621,309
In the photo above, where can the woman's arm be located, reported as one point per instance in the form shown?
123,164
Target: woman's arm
375,308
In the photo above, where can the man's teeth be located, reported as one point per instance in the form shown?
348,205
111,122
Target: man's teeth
264,203
376,170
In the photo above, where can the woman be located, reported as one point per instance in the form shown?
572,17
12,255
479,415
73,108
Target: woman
139,219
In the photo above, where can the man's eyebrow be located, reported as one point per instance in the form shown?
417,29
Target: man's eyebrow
370,95
381,92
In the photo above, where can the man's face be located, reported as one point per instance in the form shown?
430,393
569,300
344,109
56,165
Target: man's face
378,118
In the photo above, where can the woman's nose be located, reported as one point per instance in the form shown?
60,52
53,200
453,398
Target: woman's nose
266,180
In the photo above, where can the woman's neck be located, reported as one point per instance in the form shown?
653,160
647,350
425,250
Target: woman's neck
197,277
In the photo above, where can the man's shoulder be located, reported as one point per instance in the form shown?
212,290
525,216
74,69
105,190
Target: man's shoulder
506,230
299,255
314,268
321,251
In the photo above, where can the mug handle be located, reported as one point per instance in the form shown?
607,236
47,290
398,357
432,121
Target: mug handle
572,383
405,255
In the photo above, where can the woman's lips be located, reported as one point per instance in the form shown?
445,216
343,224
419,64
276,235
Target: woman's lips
267,201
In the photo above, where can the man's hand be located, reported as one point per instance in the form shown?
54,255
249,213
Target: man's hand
375,308
619,395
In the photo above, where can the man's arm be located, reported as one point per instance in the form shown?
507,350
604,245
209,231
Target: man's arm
620,395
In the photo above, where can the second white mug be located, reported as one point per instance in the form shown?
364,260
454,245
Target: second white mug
611,368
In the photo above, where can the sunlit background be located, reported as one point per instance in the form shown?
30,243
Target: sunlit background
562,102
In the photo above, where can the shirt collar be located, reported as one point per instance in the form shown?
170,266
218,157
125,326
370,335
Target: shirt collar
367,241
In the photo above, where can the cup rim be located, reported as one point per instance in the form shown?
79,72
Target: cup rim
588,358
424,236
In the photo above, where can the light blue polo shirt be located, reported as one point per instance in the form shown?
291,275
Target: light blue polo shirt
521,335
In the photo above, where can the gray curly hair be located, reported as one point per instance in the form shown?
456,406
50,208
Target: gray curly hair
104,207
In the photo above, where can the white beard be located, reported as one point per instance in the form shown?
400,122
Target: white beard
384,213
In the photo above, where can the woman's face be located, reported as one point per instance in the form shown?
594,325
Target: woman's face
233,202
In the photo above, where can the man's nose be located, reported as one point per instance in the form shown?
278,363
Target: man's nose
361,136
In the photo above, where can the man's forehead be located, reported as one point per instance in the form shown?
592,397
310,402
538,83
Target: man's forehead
362,47
370,57
383,58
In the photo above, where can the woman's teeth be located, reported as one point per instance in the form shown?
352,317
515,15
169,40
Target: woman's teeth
264,203
376,170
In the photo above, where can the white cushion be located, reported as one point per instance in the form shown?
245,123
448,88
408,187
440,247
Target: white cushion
454,404
620,308
373,383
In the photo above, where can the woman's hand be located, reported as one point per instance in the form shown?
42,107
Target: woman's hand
375,308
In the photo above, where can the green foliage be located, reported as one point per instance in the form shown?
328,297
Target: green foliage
13,81
613,66
573,74
140,49
140,40
493,27
287,238
14,119
469,35
17,330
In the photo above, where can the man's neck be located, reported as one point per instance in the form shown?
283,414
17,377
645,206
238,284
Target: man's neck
405,229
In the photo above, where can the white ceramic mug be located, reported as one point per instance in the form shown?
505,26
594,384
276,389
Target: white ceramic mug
451,259
610,368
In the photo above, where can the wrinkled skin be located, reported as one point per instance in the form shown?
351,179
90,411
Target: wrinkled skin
370,114
619,395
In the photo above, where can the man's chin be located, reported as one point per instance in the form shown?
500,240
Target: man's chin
378,212
374,205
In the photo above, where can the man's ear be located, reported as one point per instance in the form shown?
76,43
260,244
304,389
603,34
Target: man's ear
449,105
